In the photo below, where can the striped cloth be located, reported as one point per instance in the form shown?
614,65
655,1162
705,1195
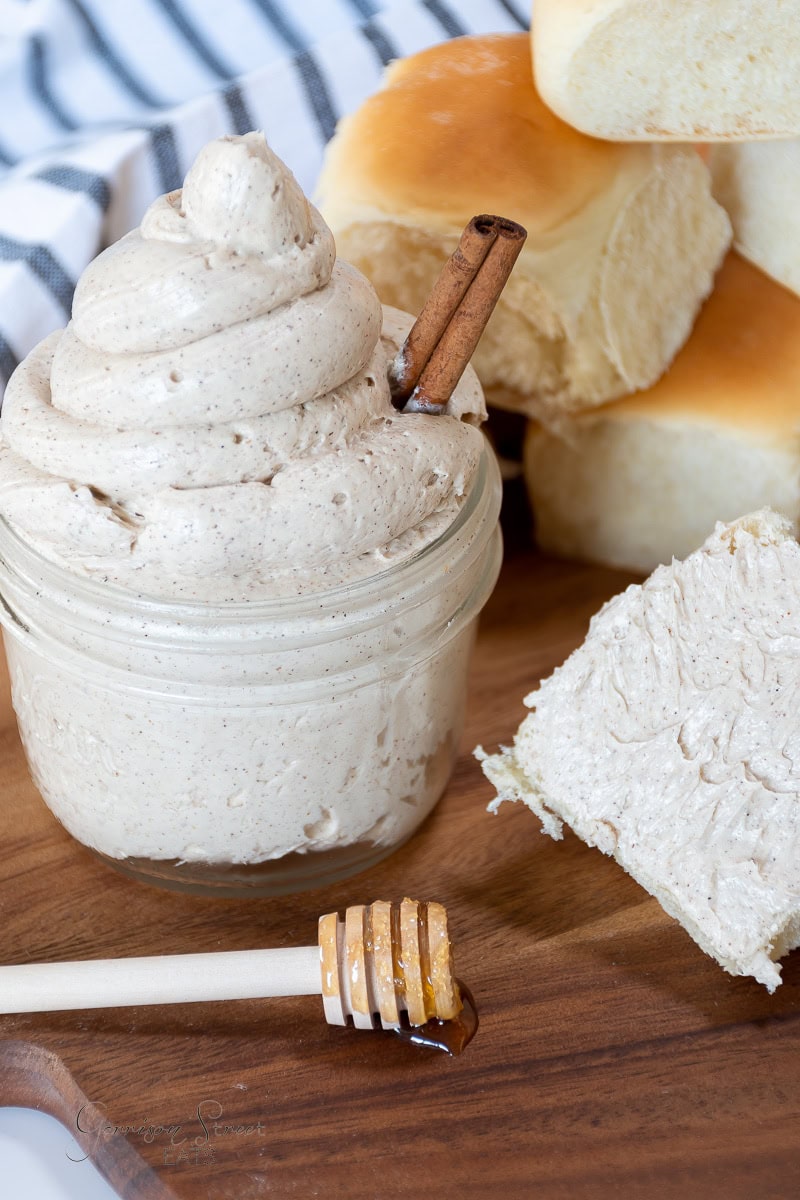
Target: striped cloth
105,103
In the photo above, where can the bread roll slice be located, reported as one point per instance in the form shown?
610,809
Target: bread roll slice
759,185
648,70
647,477
670,740
623,241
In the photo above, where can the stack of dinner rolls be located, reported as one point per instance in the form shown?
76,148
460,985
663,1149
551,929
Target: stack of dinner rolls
586,133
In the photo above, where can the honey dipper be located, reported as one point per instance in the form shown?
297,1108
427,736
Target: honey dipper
382,965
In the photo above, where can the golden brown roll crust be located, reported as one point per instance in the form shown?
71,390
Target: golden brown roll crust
459,129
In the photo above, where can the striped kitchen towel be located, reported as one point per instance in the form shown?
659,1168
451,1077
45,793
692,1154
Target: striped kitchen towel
105,103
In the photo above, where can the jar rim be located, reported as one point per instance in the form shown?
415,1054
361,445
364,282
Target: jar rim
92,589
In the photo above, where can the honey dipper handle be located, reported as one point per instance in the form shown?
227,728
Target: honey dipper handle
168,979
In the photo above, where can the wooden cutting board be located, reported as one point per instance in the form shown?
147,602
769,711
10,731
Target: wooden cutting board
613,1057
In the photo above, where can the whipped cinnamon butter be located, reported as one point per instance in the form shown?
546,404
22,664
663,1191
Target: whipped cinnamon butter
215,422
241,588
671,740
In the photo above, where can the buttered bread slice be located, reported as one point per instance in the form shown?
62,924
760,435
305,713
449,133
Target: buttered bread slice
671,740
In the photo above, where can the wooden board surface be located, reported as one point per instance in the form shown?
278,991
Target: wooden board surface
613,1057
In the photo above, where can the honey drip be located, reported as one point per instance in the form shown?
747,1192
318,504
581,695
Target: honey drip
451,1036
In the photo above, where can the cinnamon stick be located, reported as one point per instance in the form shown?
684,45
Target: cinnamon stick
448,329
439,309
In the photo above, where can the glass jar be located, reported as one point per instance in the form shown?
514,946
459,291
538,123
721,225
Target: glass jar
251,748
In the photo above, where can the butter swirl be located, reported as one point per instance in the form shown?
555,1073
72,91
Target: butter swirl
215,421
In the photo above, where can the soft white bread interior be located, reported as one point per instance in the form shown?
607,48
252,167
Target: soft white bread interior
669,740
623,241
644,70
647,477
759,184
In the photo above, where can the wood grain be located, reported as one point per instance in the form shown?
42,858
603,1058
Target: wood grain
613,1058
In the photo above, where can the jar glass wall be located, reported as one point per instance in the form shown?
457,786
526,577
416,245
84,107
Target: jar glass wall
251,748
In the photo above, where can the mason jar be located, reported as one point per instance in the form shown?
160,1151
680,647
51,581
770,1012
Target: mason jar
248,748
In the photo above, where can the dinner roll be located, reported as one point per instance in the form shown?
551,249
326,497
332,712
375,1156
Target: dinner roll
645,70
759,184
646,478
623,241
